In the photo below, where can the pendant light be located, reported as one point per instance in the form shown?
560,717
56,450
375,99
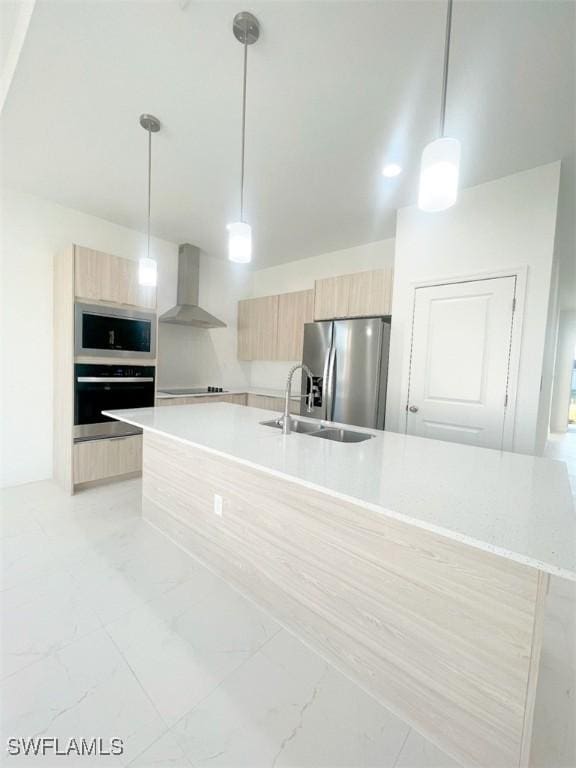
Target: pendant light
246,30
147,266
440,165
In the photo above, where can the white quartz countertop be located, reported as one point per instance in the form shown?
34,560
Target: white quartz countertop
264,391
519,507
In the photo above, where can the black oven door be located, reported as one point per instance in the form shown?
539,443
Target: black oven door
98,389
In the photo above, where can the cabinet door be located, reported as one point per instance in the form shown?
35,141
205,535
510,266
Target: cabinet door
103,277
235,399
93,275
192,400
257,328
244,348
99,459
127,288
272,403
331,297
294,309
370,293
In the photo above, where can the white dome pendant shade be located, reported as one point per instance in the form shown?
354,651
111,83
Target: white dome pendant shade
240,242
440,165
439,173
246,30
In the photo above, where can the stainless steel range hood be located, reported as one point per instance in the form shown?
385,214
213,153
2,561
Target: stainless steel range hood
187,311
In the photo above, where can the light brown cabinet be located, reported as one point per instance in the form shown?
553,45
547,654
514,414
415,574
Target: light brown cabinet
294,309
257,328
99,459
272,403
272,327
238,399
111,279
331,297
361,294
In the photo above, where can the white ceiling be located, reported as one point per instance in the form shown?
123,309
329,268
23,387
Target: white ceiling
334,89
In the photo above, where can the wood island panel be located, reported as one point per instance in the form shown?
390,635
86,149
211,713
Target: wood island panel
445,635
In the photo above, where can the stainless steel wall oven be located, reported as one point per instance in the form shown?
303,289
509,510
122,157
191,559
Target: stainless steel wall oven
100,388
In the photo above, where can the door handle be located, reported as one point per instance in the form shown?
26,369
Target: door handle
330,385
413,409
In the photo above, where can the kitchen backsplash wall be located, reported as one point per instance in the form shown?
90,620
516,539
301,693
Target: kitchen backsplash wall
191,356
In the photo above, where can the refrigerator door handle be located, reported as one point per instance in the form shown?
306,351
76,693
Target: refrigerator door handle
329,379
325,384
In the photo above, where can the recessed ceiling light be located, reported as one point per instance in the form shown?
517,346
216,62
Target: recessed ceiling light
391,169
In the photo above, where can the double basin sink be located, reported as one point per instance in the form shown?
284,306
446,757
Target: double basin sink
336,434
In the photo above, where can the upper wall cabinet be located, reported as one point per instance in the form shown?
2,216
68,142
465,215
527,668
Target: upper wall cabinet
331,297
272,327
103,277
362,294
257,328
294,309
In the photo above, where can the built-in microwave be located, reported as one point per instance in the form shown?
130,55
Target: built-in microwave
113,332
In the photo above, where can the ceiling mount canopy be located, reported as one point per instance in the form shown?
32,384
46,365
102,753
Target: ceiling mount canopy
150,123
147,267
246,28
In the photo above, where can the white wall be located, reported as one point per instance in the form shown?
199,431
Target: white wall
191,356
563,371
505,223
32,231
299,276
548,363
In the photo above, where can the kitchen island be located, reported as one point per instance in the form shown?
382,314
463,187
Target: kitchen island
419,568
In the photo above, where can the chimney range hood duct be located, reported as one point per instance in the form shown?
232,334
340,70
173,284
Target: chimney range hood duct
187,311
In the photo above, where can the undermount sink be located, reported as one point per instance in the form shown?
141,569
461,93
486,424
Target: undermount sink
304,427
336,434
339,435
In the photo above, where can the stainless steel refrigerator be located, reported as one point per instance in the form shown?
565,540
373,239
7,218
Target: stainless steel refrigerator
349,362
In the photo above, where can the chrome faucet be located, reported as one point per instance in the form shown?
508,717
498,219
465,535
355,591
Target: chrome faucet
287,419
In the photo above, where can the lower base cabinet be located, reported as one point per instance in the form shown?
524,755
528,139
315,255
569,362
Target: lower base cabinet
254,401
195,400
272,403
100,459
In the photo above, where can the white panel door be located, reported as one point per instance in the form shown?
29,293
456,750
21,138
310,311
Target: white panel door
459,362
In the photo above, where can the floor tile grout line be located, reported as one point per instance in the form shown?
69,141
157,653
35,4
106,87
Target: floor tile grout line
399,754
144,691
225,679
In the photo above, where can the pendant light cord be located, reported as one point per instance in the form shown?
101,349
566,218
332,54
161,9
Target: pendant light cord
243,127
445,73
149,191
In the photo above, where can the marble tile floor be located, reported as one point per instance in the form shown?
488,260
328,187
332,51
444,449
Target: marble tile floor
109,630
